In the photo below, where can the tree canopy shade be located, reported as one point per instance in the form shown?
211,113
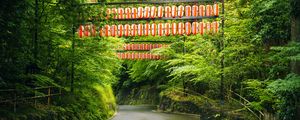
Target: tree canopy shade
260,51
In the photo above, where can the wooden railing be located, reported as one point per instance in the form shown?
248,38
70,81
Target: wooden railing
16,96
243,101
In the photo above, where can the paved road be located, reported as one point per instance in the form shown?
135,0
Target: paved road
129,112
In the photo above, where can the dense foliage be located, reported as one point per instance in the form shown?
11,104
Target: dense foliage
47,59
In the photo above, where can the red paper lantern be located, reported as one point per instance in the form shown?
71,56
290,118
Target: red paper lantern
113,30
147,29
127,30
93,30
120,30
122,56
108,12
160,29
209,10
188,27
215,26
80,31
121,13
153,29
134,13
136,56
180,28
195,28
147,47
133,30
174,11
107,30
153,12
127,13
140,12
202,10
208,27
216,9
201,28
180,11
160,11
87,31
174,28
101,32
167,29
167,11
140,29
114,11
188,11
195,10
147,12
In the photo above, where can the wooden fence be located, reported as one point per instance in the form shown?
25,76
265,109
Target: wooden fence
15,97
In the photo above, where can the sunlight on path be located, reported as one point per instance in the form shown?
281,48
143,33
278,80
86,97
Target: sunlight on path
129,112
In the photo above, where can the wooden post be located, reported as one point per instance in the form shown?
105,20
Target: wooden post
15,102
49,95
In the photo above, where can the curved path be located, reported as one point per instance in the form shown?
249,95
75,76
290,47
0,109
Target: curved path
143,112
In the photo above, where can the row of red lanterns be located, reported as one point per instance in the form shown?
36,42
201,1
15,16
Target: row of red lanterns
154,29
136,56
142,46
160,11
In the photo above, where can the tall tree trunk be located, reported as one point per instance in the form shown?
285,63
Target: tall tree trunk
295,30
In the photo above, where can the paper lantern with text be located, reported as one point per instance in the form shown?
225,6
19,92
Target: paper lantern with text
167,29
201,28
108,12
180,28
122,55
180,11
93,30
216,9
174,28
208,27
127,30
188,11
209,10
80,31
87,31
153,12
133,30
174,11
153,29
140,12
195,10
120,30
215,26
136,56
147,12
140,29
160,29
101,32
188,28
120,13
146,29
160,12
127,13
114,12
113,30
202,10
134,13
146,46
168,11
195,28
107,30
